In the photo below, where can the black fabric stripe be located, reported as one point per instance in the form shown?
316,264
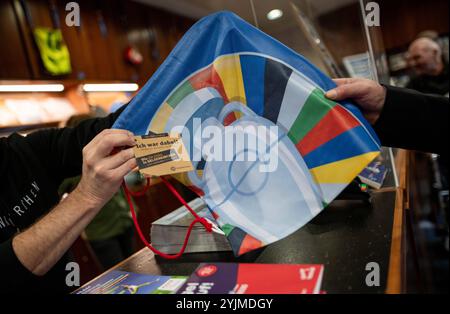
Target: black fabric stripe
201,164
275,81
236,237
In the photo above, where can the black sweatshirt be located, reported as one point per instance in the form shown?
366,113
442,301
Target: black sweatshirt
415,121
32,168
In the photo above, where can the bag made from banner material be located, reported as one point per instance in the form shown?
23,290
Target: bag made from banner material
226,74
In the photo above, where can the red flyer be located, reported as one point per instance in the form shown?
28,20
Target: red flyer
232,278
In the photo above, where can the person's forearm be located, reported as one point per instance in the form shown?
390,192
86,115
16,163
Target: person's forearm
43,244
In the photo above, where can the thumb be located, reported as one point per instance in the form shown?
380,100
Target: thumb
343,92
332,94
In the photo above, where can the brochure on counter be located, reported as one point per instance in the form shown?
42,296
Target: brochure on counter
215,278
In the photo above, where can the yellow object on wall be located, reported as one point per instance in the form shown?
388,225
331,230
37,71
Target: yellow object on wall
53,51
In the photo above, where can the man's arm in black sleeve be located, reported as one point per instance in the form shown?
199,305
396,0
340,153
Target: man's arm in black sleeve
60,153
415,121
14,274
60,150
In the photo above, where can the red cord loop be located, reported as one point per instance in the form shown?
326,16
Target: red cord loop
208,226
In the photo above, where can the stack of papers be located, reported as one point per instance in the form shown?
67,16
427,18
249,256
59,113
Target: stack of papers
168,233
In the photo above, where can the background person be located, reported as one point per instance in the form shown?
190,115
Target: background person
426,61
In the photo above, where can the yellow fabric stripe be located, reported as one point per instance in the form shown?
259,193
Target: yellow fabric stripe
159,121
342,171
229,70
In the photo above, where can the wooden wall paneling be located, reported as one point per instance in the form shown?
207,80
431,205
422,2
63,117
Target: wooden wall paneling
27,40
342,32
117,39
162,26
98,44
39,11
96,56
78,43
13,60
162,31
93,54
154,43
159,48
402,20
172,31
138,23
389,13
177,30
183,25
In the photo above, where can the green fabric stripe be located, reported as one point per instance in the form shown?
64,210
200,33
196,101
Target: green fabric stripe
180,93
227,229
315,108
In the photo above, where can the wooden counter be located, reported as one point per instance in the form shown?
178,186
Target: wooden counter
345,237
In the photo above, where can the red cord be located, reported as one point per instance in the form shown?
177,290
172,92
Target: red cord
197,219
140,193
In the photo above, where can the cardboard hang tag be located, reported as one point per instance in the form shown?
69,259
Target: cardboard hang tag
161,154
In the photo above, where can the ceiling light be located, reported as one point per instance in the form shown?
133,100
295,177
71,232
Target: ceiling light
274,14
130,87
31,88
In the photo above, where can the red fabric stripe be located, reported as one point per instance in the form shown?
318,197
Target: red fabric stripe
209,78
248,244
229,119
337,121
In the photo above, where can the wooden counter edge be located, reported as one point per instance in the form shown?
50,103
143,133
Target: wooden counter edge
395,279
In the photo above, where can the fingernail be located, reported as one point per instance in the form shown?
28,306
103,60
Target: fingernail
331,94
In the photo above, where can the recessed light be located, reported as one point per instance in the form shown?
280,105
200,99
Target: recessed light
128,87
21,88
274,14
